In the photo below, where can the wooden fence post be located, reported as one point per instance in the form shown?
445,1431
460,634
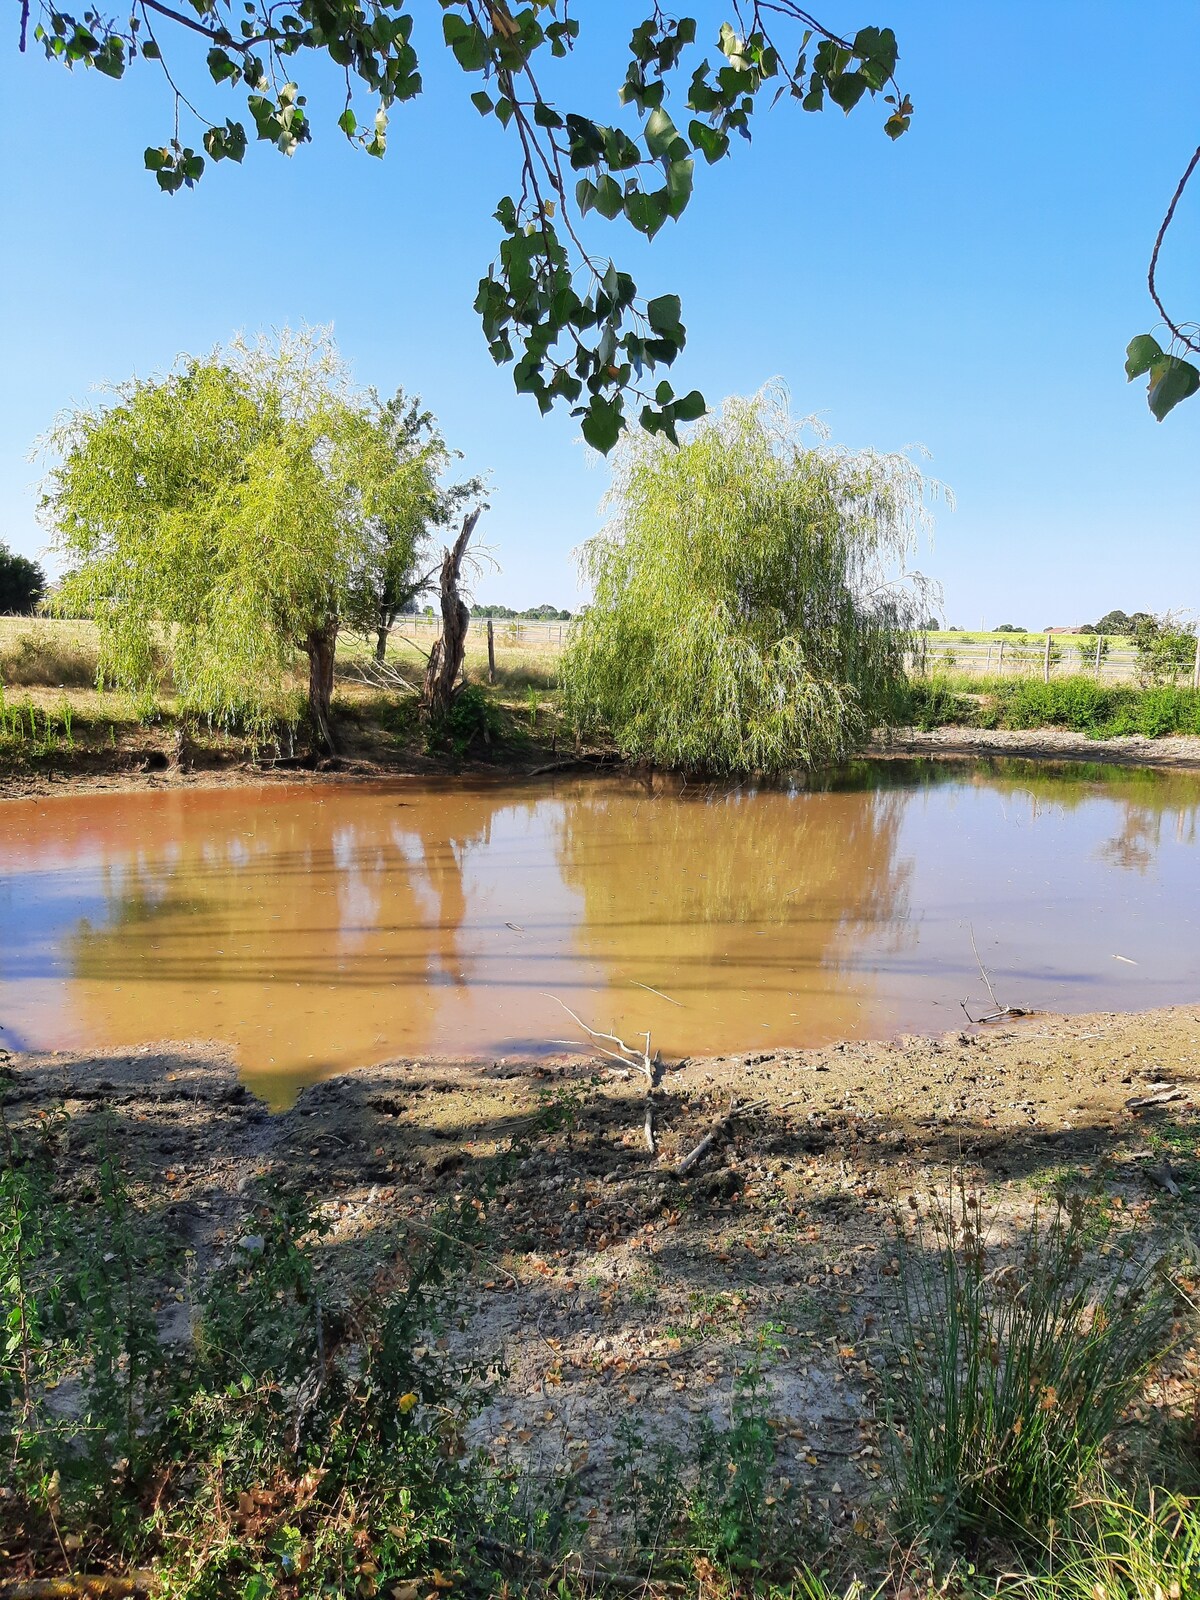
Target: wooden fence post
1196,667
1046,662
1000,658
491,638
1098,644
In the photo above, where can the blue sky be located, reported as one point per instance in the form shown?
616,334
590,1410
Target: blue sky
970,288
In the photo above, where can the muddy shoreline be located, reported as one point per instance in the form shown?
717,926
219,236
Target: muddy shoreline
618,1289
151,770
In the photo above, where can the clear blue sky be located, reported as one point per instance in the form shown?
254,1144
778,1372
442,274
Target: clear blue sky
970,288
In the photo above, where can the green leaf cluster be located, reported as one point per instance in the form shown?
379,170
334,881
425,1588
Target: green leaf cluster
750,610
571,323
1170,378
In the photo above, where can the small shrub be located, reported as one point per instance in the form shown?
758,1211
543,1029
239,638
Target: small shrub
1166,649
929,703
1009,1375
473,721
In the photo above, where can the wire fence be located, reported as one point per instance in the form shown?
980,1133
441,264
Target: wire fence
1047,657
508,630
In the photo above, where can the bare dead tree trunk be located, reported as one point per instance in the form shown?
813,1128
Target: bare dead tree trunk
446,657
319,646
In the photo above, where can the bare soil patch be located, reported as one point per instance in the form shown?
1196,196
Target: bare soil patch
615,1289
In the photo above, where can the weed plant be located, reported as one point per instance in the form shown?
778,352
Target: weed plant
1011,1370
30,730
275,1429
715,1497
472,725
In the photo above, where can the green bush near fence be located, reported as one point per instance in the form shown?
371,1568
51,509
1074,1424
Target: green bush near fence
1080,704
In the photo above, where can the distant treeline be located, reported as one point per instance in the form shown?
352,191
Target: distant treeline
533,614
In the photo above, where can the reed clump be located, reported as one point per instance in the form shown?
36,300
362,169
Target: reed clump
1011,1366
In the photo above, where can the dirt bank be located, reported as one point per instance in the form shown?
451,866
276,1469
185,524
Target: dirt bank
1051,744
618,1290
151,767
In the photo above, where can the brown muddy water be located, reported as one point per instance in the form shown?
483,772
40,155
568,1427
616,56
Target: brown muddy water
313,929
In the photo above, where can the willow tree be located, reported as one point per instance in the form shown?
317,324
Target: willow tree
752,603
233,512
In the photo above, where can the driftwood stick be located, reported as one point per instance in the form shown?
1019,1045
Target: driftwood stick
1001,1010
720,1129
650,1066
983,972
648,1125
629,1056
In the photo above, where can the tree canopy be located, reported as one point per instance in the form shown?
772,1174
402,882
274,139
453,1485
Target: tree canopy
22,583
571,322
752,605
235,512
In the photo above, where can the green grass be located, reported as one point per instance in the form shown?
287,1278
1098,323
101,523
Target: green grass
1118,1547
1078,703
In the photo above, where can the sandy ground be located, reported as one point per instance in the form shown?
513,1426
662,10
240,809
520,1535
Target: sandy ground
618,1290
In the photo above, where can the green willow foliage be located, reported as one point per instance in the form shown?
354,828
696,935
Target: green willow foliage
752,603
231,515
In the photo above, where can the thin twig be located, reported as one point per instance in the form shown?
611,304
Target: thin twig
659,993
1192,343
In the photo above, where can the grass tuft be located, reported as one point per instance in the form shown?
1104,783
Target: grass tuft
1012,1367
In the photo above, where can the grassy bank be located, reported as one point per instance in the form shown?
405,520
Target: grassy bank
1081,704
55,722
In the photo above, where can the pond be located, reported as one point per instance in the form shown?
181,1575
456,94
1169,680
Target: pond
315,928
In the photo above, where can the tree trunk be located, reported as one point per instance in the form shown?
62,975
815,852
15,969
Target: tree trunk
381,639
446,657
319,646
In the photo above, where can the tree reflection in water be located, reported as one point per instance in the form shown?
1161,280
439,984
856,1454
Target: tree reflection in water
314,929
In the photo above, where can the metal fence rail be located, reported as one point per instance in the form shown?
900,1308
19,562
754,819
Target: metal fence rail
1043,655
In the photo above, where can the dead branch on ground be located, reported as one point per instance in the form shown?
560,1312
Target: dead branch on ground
650,1066
77,1587
380,675
720,1130
1000,1009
